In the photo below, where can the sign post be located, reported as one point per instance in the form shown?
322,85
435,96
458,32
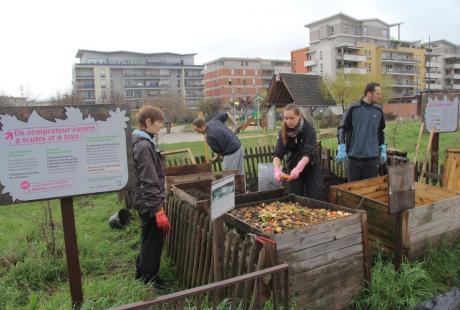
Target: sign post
222,201
401,197
60,152
440,111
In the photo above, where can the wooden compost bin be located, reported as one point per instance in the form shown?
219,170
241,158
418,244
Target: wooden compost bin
190,242
436,214
199,172
329,261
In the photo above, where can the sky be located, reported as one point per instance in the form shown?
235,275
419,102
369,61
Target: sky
41,38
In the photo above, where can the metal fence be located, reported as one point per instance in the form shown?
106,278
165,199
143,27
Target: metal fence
211,295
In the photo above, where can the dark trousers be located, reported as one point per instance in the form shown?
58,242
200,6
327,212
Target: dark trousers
362,169
309,184
148,260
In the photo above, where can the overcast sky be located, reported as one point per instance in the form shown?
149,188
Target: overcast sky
40,38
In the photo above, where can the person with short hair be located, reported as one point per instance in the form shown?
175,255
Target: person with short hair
297,141
361,137
222,140
148,194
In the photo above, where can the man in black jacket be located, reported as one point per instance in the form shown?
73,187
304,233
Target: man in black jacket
361,136
148,194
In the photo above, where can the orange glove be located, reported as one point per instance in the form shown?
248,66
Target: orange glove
162,221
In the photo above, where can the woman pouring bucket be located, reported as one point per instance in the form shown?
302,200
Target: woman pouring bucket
297,142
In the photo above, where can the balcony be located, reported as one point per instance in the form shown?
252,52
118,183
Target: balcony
399,72
434,86
351,58
85,77
433,75
433,64
309,63
452,66
354,70
402,85
456,86
399,60
85,87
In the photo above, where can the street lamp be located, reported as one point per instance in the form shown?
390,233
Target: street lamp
257,99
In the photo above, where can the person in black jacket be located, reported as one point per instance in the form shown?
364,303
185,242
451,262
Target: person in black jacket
361,137
222,140
148,194
297,141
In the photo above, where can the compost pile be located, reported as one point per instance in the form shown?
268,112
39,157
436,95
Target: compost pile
277,217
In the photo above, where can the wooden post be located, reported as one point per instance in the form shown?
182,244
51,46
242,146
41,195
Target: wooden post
419,139
435,153
218,252
401,197
428,148
71,252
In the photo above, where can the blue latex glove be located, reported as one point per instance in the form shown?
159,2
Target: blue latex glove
383,153
341,153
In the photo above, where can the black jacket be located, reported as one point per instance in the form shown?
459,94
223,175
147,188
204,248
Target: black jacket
149,190
362,130
220,139
304,144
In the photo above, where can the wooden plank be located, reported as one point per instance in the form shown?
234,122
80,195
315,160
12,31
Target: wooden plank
366,252
422,215
442,192
198,250
419,139
299,233
320,250
428,149
419,248
356,185
434,227
313,240
335,297
208,259
305,283
201,261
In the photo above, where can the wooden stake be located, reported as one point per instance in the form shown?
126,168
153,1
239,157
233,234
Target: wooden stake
428,149
420,134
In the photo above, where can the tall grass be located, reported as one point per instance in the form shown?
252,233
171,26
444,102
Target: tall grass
417,281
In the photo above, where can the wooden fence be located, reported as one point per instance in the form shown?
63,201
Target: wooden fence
263,154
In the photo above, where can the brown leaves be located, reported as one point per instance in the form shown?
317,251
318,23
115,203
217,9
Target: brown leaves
277,217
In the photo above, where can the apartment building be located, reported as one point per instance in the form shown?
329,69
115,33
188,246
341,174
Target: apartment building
230,79
343,44
137,78
443,66
298,59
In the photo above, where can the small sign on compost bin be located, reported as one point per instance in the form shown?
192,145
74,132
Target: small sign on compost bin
222,196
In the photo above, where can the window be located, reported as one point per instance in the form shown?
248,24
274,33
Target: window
255,73
320,54
345,28
244,71
365,31
229,81
369,67
385,33
332,30
321,70
253,81
232,72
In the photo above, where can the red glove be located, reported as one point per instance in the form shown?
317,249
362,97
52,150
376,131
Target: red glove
297,170
162,221
277,172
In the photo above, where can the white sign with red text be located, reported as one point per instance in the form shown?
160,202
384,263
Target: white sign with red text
43,159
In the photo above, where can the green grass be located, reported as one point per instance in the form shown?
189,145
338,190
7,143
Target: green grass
417,282
32,276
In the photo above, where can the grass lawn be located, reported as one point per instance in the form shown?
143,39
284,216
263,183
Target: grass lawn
402,136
